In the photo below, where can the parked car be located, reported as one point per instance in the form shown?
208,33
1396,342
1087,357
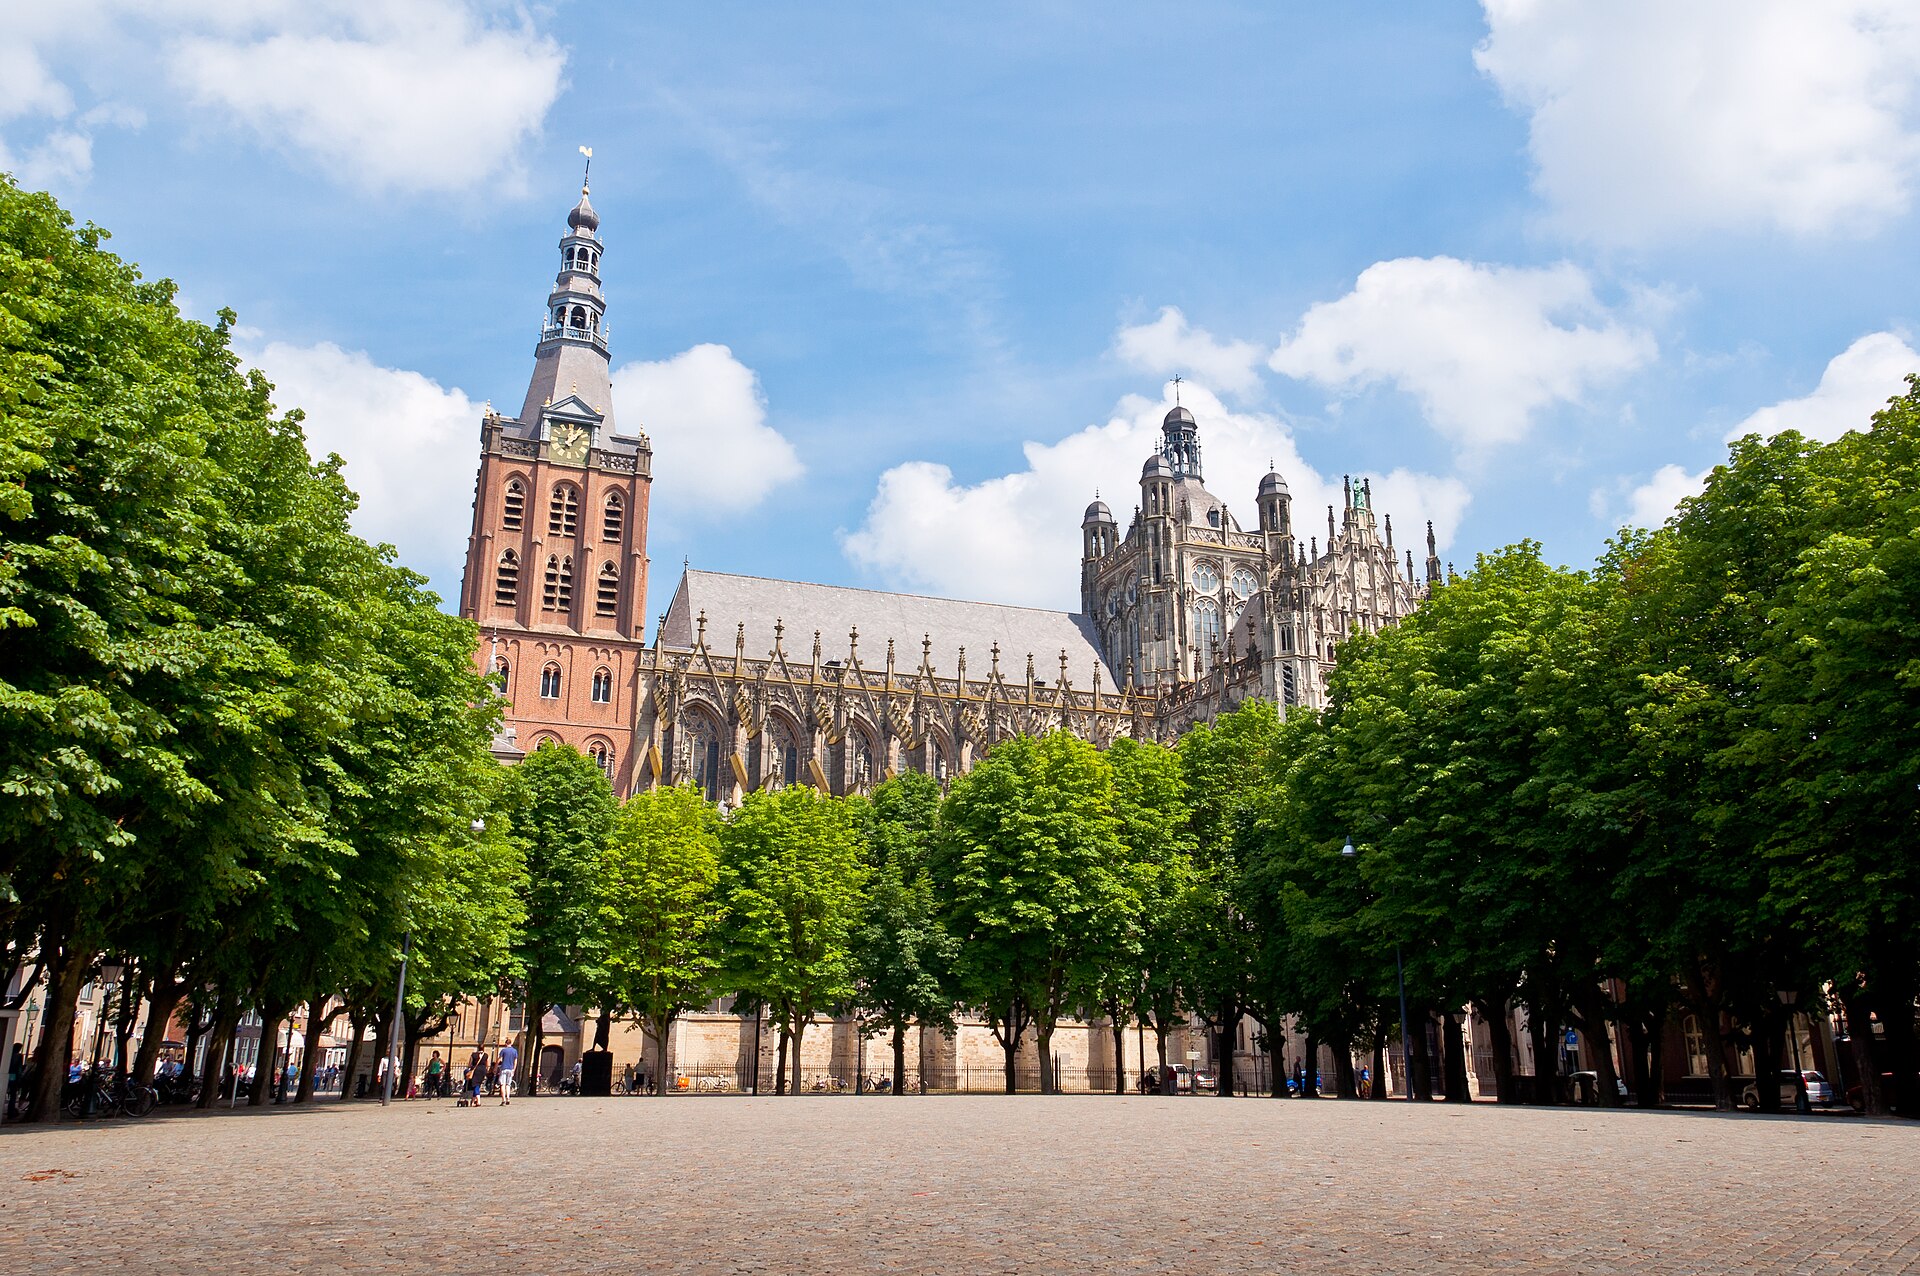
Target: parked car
1819,1093
1205,1081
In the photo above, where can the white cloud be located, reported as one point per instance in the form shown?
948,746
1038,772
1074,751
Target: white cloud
707,419
410,447
1650,117
434,95
1015,538
1168,345
1483,348
1650,504
1857,383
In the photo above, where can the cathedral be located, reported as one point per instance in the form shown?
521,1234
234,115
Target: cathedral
748,683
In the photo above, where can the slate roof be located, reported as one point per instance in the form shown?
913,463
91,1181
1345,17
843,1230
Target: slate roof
834,609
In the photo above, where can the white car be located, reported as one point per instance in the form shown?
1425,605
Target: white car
1819,1093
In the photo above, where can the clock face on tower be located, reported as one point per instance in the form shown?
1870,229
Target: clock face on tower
569,442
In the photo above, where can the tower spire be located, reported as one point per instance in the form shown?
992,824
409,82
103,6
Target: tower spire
571,358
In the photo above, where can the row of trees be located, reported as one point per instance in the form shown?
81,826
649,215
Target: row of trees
240,747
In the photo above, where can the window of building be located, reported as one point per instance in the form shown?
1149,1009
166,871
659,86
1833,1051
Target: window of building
606,601
1244,582
564,515
1206,626
1289,687
500,672
550,682
1696,1045
513,508
613,518
558,593
506,580
602,757
1206,579
517,1019
602,685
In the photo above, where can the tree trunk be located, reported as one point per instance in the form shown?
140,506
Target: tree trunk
1010,1050
1043,1037
1593,1010
1767,1040
162,999
899,1057
530,1062
1160,1048
1379,1082
1454,1046
310,1049
196,1029
66,972
1420,1069
1866,1069
270,1017
1119,1049
1546,1070
219,1051
1229,1023
780,1066
799,1033
1345,1084
1310,1069
1500,1040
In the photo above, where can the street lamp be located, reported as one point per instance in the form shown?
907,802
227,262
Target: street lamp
478,826
1400,972
1788,996
110,971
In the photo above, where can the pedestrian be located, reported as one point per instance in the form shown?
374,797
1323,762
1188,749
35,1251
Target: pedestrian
476,1077
626,1079
433,1076
509,1058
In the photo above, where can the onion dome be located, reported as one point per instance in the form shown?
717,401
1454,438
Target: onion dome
583,217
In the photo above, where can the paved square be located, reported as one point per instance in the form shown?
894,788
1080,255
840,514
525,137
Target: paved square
959,1185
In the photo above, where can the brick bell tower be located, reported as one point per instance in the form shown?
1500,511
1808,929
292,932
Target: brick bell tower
556,572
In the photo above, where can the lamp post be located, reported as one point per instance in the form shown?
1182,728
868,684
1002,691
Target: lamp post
1400,973
109,979
1788,996
394,1050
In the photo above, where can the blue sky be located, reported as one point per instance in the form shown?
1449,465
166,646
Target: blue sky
893,292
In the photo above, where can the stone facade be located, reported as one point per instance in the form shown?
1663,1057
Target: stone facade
748,684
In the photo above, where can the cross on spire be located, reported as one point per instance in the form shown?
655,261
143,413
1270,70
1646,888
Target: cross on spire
1177,379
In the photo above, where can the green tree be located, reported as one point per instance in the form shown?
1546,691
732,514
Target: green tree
792,880
661,910
565,813
1028,867
903,957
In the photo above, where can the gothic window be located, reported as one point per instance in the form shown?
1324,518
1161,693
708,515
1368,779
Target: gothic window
783,757
602,685
862,762
1206,579
500,673
1289,689
506,581
612,519
550,682
564,514
559,584
602,757
606,600
1244,582
513,510
1206,618
703,753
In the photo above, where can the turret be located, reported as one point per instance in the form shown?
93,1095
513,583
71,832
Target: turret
1276,509
1180,442
1098,532
1433,557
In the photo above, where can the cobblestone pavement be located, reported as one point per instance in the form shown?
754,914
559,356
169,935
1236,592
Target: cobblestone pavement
971,1185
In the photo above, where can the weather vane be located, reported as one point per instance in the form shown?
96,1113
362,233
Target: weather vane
588,172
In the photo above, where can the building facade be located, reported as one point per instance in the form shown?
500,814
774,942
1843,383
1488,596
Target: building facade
748,683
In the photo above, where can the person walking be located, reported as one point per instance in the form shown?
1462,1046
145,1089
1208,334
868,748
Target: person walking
476,1077
433,1076
509,1058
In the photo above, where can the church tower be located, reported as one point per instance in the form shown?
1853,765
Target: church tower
556,572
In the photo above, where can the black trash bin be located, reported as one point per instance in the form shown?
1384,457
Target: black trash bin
596,1072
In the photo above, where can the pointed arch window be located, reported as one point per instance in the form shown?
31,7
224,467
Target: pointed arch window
602,685
613,518
606,600
550,682
559,585
500,672
513,509
602,757
564,514
506,580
